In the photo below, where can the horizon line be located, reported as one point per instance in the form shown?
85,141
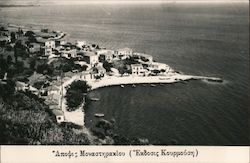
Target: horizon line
78,2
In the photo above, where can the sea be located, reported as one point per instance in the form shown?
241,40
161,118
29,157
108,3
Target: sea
195,39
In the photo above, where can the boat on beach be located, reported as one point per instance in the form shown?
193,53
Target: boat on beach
133,85
122,86
99,115
94,99
152,85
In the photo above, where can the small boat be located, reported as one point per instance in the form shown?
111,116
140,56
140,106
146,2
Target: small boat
215,80
94,99
152,85
133,85
99,115
122,86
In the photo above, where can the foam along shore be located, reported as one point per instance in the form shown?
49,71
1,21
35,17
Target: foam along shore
171,78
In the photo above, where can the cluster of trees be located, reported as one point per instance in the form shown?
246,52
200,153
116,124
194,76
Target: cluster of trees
7,89
66,65
45,69
105,130
107,66
5,63
75,94
25,120
131,60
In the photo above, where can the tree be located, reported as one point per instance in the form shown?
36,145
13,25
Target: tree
15,53
3,65
29,34
44,69
9,60
32,39
156,71
7,90
2,29
75,94
20,32
107,66
33,64
12,37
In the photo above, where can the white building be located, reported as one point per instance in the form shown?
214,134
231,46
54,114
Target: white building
160,66
63,42
48,51
53,90
91,58
106,55
85,75
69,53
50,44
144,57
21,86
59,115
137,69
124,53
80,44
101,70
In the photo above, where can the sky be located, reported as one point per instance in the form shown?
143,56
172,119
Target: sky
70,2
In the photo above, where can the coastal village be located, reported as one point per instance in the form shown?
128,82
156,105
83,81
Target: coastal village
48,64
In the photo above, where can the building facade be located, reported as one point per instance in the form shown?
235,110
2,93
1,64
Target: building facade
137,70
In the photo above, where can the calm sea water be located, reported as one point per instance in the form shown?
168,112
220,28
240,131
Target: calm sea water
211,40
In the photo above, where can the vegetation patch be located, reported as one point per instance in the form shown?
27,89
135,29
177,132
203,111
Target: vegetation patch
76,94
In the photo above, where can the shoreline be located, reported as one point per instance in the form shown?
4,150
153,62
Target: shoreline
128,80
78,115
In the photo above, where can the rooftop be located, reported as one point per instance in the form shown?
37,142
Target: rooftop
89,54
143,55
125,49
136,65
57,112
